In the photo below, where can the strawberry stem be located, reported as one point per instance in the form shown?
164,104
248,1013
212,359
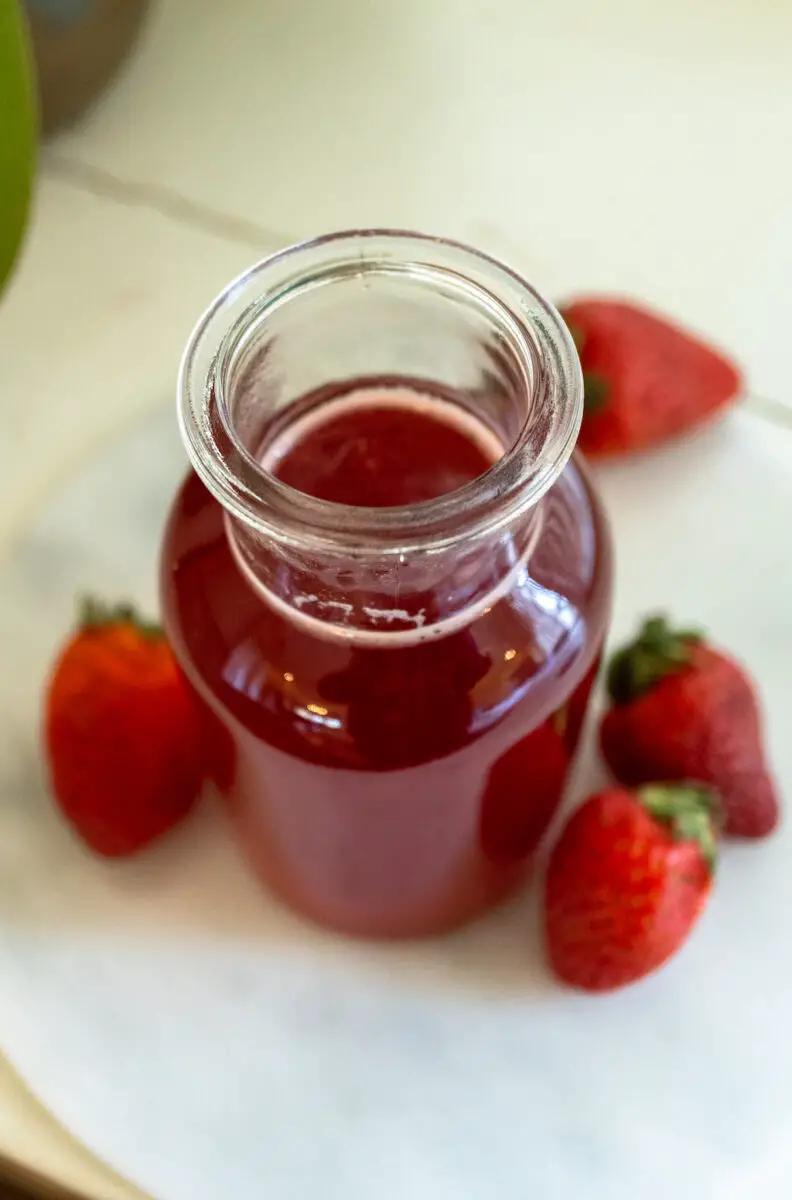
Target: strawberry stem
690,811
96,614
595,392
595,386
658,651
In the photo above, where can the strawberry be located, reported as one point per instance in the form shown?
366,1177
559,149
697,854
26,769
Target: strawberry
122,733
646,380
683,710
626,882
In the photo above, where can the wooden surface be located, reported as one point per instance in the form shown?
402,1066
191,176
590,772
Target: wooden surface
133,235
20,1183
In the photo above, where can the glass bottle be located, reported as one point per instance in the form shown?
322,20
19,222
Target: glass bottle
393,695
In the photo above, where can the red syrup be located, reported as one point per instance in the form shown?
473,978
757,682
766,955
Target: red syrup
390,784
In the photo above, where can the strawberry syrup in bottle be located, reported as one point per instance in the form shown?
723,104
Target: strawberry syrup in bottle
394,695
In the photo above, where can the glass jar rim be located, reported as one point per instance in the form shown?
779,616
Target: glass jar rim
546,354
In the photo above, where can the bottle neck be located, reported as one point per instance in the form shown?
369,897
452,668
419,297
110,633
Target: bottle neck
375,600
435,317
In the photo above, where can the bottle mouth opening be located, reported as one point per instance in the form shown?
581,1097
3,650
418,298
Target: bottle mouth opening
369,305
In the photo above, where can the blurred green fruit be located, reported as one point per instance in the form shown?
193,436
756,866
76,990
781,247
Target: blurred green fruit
18,132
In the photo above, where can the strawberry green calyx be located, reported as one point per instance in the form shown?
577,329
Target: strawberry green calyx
595,392
95,614
690,811
658,651
595,385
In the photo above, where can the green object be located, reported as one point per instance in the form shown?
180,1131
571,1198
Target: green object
658,651
595,392
18,132
690,810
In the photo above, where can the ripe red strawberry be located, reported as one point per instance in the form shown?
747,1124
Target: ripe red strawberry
682,710
646,379
122,733
626,882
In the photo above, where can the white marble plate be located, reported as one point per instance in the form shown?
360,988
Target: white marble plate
211,1047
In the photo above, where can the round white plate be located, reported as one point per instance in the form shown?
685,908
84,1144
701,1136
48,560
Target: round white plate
209,1045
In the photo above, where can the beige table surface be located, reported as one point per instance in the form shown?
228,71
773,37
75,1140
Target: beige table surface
613,145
